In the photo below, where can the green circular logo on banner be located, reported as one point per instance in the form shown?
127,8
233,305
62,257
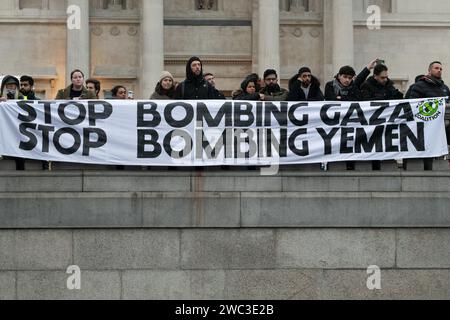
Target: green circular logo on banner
429,108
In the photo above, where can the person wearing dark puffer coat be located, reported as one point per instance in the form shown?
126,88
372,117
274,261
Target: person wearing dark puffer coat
305,87
344,87
379,86
194,87
431,85
408,93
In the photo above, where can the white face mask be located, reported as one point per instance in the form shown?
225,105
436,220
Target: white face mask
10,93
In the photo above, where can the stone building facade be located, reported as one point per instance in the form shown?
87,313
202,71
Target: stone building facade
130,41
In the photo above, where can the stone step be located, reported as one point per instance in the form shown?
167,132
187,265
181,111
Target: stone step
28,210
242,181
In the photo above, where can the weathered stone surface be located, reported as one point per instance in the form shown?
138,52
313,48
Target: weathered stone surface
35,249
7,285
328,249
177,210
52,285
67,210
423,248
170,285
227,249
127,249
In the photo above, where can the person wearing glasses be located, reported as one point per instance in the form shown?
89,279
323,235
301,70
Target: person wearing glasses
379,86
272,90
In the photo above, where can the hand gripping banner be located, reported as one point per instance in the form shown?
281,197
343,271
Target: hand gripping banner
214,133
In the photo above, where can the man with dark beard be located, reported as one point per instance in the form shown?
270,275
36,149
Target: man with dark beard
272,91
305,87
195,87
26,88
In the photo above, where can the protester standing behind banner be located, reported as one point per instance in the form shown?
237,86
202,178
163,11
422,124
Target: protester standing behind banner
77,90
430,86
119,93
379,86
211,79
10,89
94,86
27,88
194,87
165,88
305,87
272,90
345,87
256,80
250,89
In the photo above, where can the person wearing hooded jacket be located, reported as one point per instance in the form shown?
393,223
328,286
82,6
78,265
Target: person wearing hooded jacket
249,90
345,87
10,89
304,87
195,87
255,79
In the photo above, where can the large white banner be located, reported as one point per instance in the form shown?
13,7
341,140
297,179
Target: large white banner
211,133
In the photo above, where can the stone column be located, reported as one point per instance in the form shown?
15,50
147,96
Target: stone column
342,12
152,26
78,41
269,36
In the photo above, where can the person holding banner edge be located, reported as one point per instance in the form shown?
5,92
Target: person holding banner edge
430,86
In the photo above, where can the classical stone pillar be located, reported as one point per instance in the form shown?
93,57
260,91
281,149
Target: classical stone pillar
269,36
342,16
78,42
152,45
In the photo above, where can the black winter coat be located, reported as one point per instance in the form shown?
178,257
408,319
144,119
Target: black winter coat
194,87
428,87
243,95
372,90
297,94
354,93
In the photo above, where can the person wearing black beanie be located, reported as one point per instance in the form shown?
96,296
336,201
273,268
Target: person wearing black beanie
304,87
